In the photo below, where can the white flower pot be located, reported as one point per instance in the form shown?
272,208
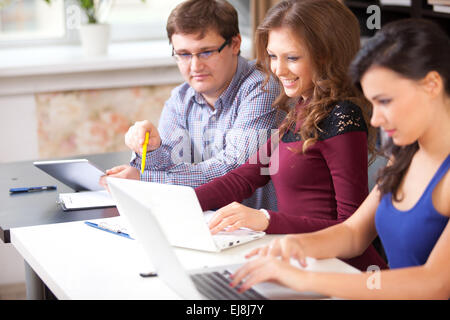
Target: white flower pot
94,39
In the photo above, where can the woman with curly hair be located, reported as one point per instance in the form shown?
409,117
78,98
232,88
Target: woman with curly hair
319,157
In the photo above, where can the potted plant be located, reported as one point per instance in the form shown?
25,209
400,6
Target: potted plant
94,34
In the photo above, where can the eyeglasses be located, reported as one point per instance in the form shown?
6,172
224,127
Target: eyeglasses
204,55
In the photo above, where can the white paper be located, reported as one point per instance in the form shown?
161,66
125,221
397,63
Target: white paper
444,9
86,199
403,3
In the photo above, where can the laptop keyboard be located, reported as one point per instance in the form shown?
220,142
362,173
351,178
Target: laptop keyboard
215,286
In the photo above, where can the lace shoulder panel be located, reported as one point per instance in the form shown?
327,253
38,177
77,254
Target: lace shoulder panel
345,117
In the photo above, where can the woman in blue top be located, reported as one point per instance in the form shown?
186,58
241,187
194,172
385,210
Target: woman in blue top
405,72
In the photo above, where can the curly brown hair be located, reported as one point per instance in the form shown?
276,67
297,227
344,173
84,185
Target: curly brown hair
330,32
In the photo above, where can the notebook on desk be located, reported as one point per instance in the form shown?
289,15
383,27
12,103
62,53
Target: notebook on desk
85,200
209,283
179,213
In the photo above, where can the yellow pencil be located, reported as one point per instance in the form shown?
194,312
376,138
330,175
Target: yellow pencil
144,152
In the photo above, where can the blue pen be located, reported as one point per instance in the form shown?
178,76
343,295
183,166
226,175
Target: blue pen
31,189
107,228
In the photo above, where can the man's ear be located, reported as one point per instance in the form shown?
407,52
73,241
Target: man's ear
236,44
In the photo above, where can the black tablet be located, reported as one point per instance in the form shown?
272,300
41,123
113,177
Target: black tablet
79,174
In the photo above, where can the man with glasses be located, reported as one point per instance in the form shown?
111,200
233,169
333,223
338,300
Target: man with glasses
218,117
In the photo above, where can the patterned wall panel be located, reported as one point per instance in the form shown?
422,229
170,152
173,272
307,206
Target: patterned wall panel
94,121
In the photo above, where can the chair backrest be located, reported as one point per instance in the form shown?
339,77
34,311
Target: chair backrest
379,163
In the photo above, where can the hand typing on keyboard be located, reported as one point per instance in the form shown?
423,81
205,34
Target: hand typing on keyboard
274,263
269,268
216,286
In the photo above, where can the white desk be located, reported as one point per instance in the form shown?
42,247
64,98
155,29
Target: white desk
76,261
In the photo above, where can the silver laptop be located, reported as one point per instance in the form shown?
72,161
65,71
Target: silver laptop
180,216
210,283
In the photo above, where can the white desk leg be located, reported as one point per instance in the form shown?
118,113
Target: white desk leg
34,284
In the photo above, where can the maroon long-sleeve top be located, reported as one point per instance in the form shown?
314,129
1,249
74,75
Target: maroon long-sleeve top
316,189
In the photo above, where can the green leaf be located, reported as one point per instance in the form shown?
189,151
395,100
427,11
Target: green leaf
87,4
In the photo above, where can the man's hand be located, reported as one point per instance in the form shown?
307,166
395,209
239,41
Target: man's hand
135,137
123,171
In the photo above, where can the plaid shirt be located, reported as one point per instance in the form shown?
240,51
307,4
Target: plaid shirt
200,144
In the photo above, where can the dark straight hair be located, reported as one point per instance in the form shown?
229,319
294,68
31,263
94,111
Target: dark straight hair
411,48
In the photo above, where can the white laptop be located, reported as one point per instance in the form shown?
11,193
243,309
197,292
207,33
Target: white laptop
179,213
209,283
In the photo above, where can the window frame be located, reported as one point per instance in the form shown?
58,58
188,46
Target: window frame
70,36
119,32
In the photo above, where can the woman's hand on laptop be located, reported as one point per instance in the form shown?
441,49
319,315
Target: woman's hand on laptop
235,216
287,247
269,268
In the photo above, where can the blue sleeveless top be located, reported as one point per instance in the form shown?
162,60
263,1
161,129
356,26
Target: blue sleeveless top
408,237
